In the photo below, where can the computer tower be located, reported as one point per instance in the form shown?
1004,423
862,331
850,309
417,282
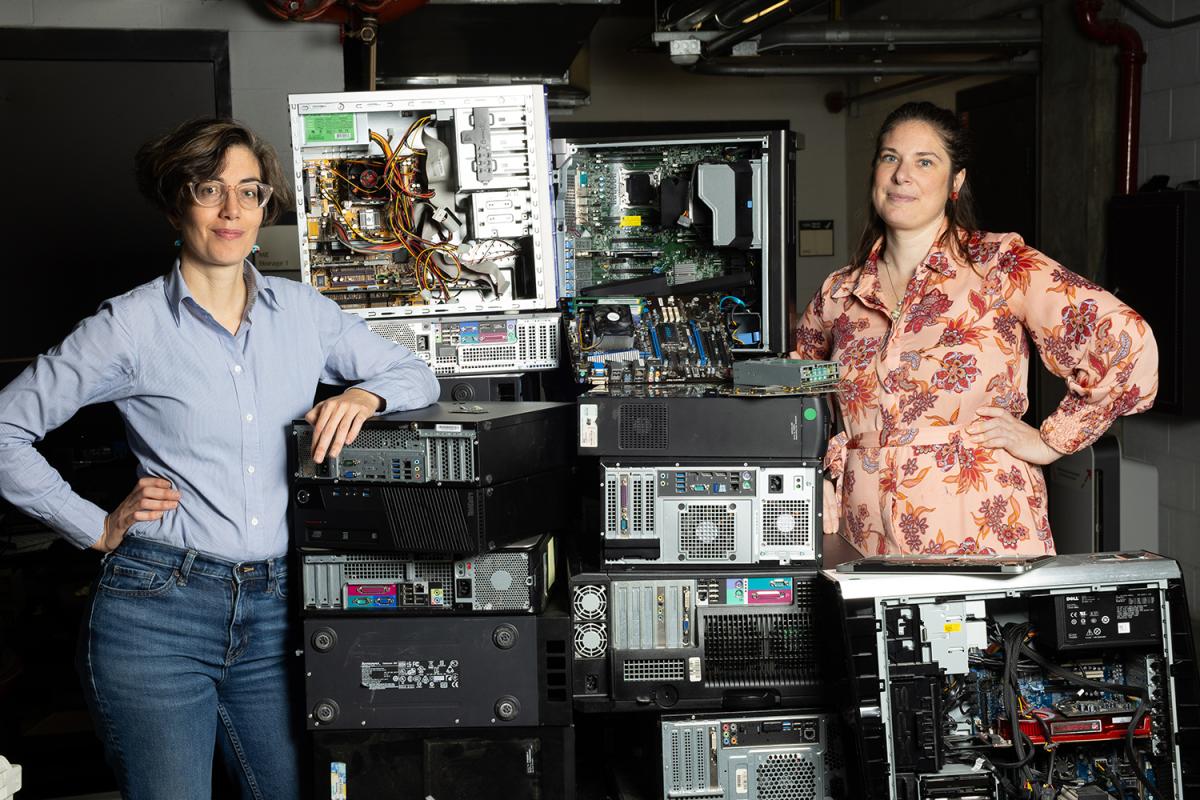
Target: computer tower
684,514
696,421
447,764
791,754
431,201
423,672
427,519
682,213
696,640
1091,655
475,443
512,580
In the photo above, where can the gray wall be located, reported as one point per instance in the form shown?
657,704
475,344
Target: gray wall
1170,139
268,57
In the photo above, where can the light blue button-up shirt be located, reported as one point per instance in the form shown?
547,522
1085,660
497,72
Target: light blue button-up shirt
206,409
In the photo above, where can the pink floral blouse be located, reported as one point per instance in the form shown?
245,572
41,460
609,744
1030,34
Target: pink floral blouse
907,476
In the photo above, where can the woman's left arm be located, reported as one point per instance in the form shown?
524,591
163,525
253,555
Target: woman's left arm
387,377
1102,348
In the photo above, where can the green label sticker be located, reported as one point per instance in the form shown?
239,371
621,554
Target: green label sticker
328,128
810,414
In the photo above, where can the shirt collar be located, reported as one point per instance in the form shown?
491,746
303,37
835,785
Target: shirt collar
257,288
864,280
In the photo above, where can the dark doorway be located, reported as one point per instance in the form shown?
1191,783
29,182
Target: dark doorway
1003,120
76,105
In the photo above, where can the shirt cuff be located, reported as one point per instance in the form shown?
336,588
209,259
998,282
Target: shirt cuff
81,522
1065,435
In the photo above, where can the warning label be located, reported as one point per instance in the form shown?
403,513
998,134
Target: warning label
429,674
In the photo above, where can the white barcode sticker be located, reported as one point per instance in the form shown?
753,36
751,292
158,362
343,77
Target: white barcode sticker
1122,627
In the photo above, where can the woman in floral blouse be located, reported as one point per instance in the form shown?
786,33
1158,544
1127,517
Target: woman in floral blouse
929,323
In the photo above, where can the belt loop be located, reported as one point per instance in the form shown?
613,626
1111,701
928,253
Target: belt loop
186,568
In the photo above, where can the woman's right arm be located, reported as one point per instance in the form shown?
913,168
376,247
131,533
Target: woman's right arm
94,364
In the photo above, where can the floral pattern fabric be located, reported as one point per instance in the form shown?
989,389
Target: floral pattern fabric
908,477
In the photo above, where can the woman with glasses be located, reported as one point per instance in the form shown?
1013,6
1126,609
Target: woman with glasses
185,639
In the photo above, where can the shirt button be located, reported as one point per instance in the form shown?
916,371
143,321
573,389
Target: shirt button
254,520
237,369
250,469
249,418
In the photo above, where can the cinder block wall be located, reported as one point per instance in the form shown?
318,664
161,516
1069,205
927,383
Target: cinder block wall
1170,145
1170,133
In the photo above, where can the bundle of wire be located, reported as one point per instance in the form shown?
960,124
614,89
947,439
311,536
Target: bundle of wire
435,264
1018,777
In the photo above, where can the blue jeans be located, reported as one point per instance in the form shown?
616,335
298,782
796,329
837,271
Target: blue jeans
182,652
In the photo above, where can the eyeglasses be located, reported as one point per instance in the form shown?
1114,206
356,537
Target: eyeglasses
250,195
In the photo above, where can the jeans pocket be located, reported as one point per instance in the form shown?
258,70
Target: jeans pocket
281,585
133,578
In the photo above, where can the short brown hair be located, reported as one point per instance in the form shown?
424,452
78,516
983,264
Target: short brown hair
195,151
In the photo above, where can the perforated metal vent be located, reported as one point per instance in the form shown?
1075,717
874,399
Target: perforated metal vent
833,760
786,776
400,332
787,523
645,670
589,602
451,458
367,568
591,640
612,503
689,761
759,649
493,355
501,581
307,467
707,531
538,341
371,438
643,426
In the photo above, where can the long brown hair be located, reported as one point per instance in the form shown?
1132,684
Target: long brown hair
195,151
960,213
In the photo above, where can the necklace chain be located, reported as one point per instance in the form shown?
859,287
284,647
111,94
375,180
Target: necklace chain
895,313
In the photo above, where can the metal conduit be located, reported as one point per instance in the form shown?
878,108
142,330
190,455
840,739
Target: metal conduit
882,34
763,67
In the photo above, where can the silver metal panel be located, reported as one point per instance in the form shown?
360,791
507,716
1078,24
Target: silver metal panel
1065,572
777,523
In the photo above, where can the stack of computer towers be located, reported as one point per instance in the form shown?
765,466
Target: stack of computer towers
436,656
703,607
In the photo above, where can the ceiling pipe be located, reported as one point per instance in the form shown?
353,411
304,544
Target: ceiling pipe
769,19
882,34
1130,58
699,16
768,67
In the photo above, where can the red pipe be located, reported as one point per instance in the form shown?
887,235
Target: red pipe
340,11
1131,57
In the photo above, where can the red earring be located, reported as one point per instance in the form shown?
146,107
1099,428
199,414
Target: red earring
954,195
